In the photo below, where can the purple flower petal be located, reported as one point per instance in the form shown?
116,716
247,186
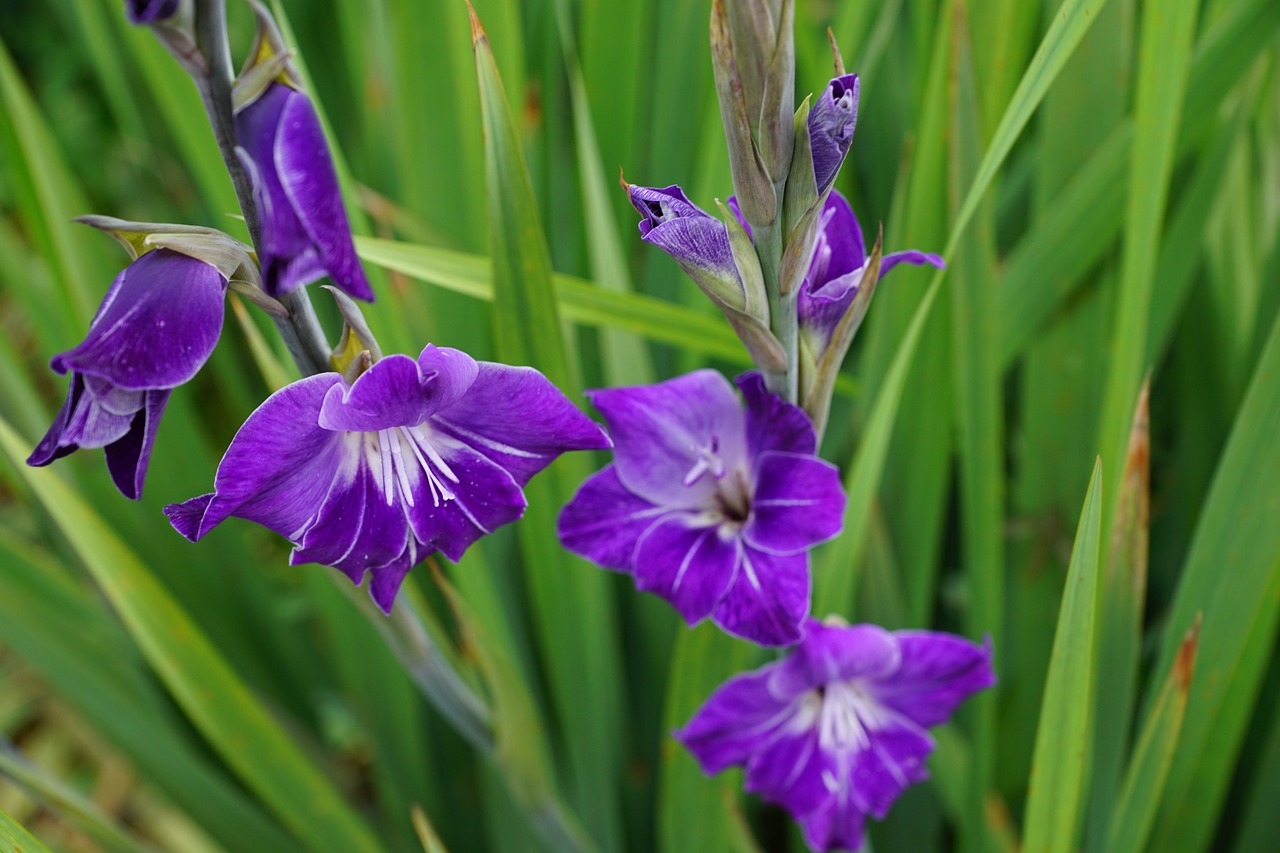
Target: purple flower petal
355,527
127,458
309,179
605,520
831,122
773,423
157,326
454,504
687,563
937,672
787,769
836,825
279,467
669,437
742,714
910,257
305,232
150,11
830,653
798,503
517,418
893,759
769,599
398,391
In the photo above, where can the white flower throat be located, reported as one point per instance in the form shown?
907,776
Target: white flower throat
732,495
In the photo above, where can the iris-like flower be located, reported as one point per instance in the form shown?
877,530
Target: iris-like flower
709,507
151,11
155,329
838,729
305,233
831,122
411,457
839,261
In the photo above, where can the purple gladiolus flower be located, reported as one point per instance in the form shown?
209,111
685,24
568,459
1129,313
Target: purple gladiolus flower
838,729
411,457
155,329
151,11
695,239
305,233
831,123
839,261
709,507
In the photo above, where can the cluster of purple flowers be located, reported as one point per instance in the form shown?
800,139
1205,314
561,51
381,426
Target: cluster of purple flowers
715,509
711,503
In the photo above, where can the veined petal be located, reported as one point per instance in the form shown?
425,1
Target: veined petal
836,653
769,599
456,503
354,529
127,458
385,581
788,769
686,562
518,419
674,440
397,391
893,759
740,716
773,423
798,502
309,181
604,521
831,122
289,259
279,467
157,326
53,446
695,239
835,825
937,672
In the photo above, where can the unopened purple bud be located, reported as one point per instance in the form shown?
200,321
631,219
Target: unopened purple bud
305,232
695,239
831,123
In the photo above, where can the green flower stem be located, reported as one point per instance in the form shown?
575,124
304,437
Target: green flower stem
300,329
782,309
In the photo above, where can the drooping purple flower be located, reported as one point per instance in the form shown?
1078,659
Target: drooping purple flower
831,122
155,329
151,11
709,507
695,239
838,729
305,233
411,457
836,270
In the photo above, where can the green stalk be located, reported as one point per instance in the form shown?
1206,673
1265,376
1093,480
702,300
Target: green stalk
300,329
783,321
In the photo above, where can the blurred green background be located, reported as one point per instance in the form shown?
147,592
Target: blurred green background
160,695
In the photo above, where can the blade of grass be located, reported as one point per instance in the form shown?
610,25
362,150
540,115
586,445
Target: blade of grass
1122,595
208,690
1164,59
1135,810
1236,528
979,418
15,839
1056,789
572,609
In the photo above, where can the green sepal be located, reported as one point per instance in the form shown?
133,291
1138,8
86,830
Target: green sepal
269,61
357,349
